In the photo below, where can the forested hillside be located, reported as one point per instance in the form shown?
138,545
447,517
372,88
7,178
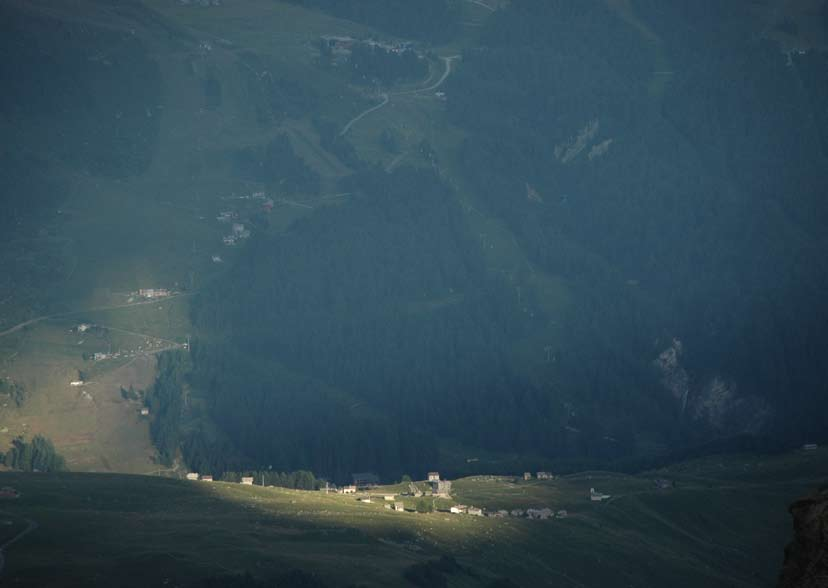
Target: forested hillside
681,215
403,235
698,191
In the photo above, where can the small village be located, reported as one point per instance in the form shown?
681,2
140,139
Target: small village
366,489
146,346
341,47
238,227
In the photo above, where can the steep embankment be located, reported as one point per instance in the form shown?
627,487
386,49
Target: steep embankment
806,557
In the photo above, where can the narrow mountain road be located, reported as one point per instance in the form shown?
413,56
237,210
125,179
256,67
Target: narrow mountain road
448,61
483,4
30,526
47,317
359,117
386,98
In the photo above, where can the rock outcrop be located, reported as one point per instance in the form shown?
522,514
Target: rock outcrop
806,557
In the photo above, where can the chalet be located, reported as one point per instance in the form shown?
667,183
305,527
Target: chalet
99,356
192,476
247,480
365,480
153,292
349,489
459,509
83,327
517,512
399,507
145,411
475,512
810,446
662,484
76,383
206,478
388,498
540,514
597,496
545,476
433,476
441,488
527,475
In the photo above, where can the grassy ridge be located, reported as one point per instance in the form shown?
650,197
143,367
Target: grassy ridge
710,530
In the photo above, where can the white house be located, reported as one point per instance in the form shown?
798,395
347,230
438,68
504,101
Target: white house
206,478
597,496
810,446
76,383
247,480
349,489
154,292
192,476
145,411
433,476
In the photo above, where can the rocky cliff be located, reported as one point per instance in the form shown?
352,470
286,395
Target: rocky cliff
806,557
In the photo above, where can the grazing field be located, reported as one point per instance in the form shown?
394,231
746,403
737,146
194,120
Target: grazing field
714,527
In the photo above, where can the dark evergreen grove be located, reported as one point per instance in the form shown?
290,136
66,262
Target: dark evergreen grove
37,455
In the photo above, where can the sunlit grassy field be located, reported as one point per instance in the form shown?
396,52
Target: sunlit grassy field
714,528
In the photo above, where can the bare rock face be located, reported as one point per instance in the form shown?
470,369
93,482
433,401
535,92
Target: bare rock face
718,405
806,557
674,377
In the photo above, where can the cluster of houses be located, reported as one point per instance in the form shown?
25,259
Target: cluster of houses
537,514
364,482
202,3
153,293
341,47
238,232
539,475
195,477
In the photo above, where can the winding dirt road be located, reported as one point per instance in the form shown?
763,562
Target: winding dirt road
386,98
47,317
